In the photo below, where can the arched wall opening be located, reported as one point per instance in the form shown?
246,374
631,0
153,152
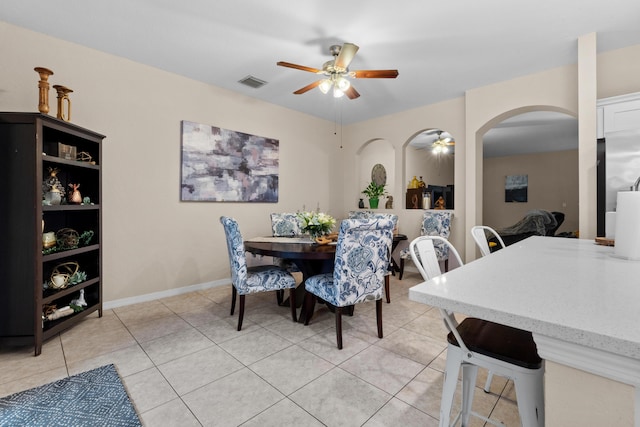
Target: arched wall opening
434,170
552,176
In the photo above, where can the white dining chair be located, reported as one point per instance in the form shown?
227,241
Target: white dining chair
484,236
474,343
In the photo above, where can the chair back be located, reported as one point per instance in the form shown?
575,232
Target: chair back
438,223
362,259
482,234
424,254
285,225
360,214
235,246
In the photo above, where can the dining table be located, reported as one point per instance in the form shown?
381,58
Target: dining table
581,303
311,258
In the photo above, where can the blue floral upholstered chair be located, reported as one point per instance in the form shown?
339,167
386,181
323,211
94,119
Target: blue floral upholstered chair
434,223
285,225
249,280
368,215
362,259
360,214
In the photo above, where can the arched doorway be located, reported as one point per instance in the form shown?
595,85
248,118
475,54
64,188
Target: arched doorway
540,149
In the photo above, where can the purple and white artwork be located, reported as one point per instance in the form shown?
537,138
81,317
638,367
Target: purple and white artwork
220,165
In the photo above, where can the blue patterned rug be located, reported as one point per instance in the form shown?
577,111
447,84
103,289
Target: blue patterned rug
92,398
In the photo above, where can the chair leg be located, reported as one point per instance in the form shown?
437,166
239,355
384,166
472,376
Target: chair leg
309,304
454,359
339,326
241,312
446,265
386,288
279,296
530,397
379,316
233,299
292,303
469,375
401,269
487,385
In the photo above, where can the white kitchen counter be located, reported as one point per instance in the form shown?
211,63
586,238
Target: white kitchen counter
581,303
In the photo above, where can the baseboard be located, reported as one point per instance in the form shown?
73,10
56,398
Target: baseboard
164,294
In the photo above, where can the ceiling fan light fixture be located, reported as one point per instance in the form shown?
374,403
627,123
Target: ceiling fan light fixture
343,84
325,85
335,72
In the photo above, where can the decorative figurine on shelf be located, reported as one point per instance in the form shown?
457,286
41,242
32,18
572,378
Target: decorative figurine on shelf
63,95
74,194
414,182
79,302
389,203
83,156
361,204
439,203
421,183
43,89
52,189
48,240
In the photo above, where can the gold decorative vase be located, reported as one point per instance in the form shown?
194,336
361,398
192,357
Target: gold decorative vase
63,95
43,87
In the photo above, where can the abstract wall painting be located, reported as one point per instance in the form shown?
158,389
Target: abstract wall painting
220,165
515,188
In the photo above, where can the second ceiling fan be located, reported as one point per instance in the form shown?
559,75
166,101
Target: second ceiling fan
336,71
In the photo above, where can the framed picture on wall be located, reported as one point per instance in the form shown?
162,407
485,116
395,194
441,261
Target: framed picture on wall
515,188
220,165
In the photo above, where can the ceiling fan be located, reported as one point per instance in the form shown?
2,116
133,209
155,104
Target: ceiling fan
441,145
336,70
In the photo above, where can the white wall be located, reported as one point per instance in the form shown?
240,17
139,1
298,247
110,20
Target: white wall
553,186
153,242
398,130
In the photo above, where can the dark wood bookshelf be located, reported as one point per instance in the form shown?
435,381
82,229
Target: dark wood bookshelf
29,148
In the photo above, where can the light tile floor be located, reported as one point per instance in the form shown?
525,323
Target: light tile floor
183,363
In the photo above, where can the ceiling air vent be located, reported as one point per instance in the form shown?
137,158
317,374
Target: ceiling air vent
253,82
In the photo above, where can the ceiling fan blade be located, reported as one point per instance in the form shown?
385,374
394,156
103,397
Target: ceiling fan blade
307,88
298,67
374,74
351,93
347,52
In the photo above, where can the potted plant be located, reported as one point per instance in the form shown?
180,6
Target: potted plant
373,192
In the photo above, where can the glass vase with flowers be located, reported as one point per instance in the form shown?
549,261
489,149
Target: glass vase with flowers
316,224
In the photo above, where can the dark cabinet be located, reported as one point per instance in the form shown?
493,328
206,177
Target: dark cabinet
37,284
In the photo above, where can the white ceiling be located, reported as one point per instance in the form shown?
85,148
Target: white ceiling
441,49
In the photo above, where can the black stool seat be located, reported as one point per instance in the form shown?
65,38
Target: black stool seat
498,341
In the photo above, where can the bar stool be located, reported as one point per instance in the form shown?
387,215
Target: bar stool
473,343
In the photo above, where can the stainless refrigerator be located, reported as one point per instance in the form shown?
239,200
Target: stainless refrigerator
618,169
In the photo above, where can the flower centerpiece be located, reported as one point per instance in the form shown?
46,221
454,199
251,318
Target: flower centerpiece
373,192
316,223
